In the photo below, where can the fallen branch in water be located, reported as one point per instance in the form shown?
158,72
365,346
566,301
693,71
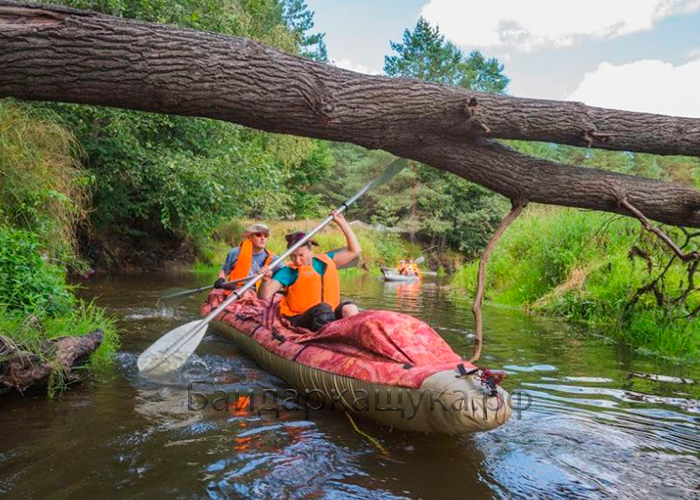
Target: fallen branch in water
21,369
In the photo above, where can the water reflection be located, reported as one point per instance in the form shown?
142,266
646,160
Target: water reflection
604,421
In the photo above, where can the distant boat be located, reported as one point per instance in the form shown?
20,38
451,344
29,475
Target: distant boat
394,275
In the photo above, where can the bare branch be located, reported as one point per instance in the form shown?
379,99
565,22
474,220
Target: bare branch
479,296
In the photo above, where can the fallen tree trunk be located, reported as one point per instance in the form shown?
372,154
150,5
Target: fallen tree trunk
60,54
20,369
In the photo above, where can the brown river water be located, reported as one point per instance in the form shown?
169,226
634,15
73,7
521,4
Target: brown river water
595,428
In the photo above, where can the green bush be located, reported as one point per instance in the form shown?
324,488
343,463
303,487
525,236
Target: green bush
28,283
36,304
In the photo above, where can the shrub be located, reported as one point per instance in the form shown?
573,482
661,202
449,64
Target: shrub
29,284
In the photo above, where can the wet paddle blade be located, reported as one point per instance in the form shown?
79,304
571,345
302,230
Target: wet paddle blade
390,171
171,351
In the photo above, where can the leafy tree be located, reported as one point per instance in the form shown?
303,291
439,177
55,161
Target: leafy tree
300,20
426,55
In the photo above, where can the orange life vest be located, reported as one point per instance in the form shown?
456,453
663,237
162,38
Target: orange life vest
244,261
311,288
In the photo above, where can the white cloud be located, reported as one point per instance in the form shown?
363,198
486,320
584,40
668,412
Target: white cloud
650,86
356,67
532,23
694,53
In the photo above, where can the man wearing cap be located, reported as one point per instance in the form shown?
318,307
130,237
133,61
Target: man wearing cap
246,259
313,289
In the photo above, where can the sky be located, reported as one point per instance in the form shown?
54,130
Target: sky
637,55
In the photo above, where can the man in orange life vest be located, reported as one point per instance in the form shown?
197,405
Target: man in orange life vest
313,289
246,259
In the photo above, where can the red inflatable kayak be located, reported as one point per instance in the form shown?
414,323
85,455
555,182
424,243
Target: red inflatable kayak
383,365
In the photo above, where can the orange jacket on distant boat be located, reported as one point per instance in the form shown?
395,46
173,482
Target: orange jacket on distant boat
245,260
311,288
414,269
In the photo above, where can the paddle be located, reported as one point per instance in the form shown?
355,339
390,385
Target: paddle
173,294
172,350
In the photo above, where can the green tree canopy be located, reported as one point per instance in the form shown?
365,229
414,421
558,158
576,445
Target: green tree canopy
426,55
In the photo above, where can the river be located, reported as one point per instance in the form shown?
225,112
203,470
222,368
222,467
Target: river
596,426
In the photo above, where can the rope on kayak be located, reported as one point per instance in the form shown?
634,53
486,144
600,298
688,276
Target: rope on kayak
479,296
376,443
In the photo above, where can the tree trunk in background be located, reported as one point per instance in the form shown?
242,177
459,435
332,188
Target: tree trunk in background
60,54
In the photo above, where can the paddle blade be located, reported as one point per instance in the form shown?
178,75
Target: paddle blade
171,351
390,171
419,260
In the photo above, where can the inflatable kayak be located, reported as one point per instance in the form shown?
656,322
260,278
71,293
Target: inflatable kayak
392,275
381,365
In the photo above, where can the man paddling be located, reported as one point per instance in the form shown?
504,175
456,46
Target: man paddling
246,259
401,267
313,289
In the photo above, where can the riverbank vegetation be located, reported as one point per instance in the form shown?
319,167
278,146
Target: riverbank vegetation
599,268
162,184
43,197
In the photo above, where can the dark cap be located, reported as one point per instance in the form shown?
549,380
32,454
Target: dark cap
296,236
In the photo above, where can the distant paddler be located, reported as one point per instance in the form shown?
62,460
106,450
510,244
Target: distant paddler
401,267
312,282
412,268
246,259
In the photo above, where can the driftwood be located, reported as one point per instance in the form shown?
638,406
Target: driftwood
20,369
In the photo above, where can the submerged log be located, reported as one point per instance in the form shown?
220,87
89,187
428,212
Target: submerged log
20,369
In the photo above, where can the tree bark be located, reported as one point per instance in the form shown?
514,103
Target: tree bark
20,370
60,54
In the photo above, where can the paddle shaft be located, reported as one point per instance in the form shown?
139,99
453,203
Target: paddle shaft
201,289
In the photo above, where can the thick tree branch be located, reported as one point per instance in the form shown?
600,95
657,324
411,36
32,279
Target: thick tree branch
58,54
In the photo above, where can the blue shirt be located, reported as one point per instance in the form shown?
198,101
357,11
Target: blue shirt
287,276
232,258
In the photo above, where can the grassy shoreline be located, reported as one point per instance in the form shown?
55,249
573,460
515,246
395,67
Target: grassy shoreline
580,265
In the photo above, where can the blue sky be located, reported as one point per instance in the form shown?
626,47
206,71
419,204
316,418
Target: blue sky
641,55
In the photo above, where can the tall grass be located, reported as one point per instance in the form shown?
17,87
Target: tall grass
43,188
577,265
